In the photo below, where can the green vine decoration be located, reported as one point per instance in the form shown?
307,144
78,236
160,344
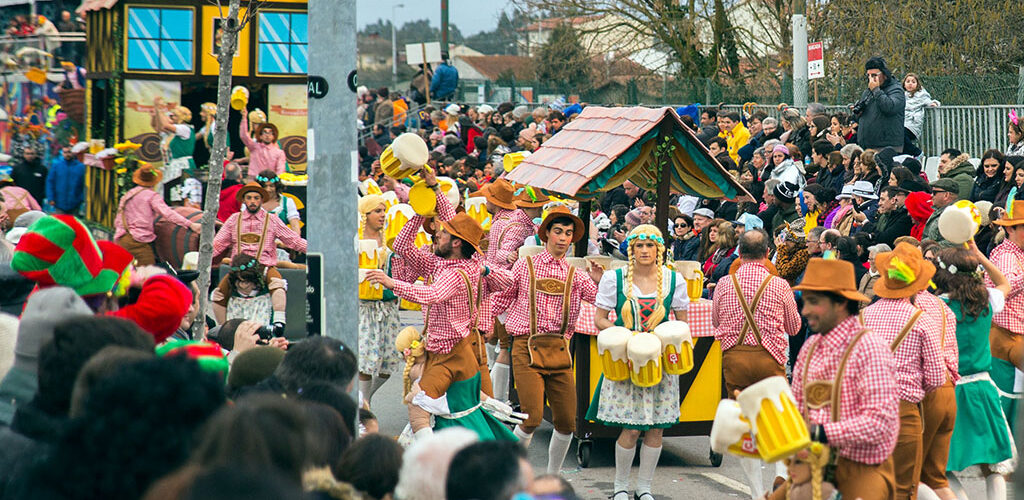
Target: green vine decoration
663,153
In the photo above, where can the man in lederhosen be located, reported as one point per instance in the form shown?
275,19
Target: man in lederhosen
754,314
1007,334
542,304
137,212
910,333
844,383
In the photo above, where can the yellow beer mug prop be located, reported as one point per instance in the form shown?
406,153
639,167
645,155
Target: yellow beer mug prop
397,217
611,346
405,156
676,347
368,187
644,353
423,239
730,431
778,428
476,207
369,259
423,199
512,160
239,98
390,199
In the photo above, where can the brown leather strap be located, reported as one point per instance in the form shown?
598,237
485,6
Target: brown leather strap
474,304
124,205
566,293
942,340
837,386
238,235
565,299
748,309
906,329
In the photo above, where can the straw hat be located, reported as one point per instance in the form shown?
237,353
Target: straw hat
500,194
1014,217
251,187
554,213
831,275
904,272
530,198
147,176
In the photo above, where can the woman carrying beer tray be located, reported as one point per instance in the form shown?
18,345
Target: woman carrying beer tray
642,296
981,435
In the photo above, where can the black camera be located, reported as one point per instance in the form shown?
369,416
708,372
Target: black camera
857,108
267,332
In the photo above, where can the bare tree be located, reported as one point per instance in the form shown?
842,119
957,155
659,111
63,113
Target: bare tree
225,57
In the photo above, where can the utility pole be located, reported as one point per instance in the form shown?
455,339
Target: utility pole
444,26
799,53
333,163
394,48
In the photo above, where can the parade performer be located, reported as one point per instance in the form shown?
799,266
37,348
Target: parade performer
245,293
753,313
277,203
642,296
920,366
378,314
255,232
208,114
264,153
541,307
844,383
16,200
137,212
980,435
1007,337
179,137
451,387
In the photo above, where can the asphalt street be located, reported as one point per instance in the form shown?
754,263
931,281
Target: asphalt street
684,471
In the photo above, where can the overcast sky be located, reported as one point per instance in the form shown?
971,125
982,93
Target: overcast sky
471,16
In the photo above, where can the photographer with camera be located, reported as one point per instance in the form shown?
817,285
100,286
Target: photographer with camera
880,110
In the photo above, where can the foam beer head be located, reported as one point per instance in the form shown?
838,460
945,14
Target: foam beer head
611,347
676,346
644,353
390,199
776,423
730,431
476,207
960,222
406,155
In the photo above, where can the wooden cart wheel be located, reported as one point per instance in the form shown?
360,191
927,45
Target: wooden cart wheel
716,459
583,449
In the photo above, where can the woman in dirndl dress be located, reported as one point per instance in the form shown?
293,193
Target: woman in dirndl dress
244,293
643,294
981,434
378,311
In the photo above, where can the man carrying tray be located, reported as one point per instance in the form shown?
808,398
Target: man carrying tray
844,383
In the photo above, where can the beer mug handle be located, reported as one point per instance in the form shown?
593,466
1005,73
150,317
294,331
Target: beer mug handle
698,275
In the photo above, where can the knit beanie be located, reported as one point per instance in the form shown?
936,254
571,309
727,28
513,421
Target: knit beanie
254,365
786,191
633,218
210,356
162,304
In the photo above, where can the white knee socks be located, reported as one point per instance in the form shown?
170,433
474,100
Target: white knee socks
995,486
623,464
499,380
924,492
752,468
648,462
524,437
557,449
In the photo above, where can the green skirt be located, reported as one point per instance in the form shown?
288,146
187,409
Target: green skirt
465,395
980,435
1004,374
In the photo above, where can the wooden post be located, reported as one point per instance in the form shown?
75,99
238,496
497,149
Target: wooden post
816,90
582,245
664,182
426,81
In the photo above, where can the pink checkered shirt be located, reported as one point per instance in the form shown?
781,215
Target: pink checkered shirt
261,156
776,314
517,228
498,222
936,309
516,298
869,411
919,361
140,206
253,223
18,198
1009,258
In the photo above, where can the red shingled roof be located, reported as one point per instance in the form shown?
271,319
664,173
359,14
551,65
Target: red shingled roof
493,66
89,5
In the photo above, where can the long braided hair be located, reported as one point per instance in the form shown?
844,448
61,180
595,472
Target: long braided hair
644,231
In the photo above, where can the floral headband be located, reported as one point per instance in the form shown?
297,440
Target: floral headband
652,237
978,272
275,179
251,264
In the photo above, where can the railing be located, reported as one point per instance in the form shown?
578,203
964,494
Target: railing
68,46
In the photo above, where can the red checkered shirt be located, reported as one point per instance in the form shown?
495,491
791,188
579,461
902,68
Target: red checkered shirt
517,228
1009,258
253,223
936,309
516,298
869,411
776,314
919,361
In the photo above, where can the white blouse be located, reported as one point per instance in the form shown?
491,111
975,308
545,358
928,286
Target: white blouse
607,292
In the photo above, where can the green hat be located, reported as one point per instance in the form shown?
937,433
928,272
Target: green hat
946,184
209,355
254,365
58,250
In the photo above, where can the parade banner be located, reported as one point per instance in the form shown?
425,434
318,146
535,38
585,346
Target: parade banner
138,104
287,111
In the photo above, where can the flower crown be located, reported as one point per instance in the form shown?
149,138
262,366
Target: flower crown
249,265
652,237
274,179
978,272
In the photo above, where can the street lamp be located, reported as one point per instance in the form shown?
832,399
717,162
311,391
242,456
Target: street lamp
394,48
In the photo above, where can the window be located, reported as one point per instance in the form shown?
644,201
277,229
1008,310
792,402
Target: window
283,44
160,39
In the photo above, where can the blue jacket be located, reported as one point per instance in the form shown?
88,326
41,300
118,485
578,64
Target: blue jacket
65,186
446,78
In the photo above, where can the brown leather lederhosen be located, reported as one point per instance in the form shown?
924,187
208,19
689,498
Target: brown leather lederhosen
853,479
744,365
938,411
541,360
143,252
462,362
501,335
907,456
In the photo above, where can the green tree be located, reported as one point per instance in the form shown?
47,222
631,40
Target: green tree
562,60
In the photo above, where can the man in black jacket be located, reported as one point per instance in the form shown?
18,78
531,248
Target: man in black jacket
30,174
880,109
894,220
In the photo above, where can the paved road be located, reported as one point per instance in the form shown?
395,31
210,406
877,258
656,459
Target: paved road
684,471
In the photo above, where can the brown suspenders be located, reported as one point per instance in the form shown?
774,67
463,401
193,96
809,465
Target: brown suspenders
816,390
474,306
906,330
748,309
549,286
238,235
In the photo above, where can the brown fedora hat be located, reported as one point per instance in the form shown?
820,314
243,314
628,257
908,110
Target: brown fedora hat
831,275
251,187
465,228
500,193
536,200
555,213
1014,217
904,272
147,176
271,126
429,223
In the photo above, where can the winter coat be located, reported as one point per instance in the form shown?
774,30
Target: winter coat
444,82
986,188
963,174
881,122
892,225
65,185
735,139
913,119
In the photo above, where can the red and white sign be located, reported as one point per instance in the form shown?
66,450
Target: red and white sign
815,61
